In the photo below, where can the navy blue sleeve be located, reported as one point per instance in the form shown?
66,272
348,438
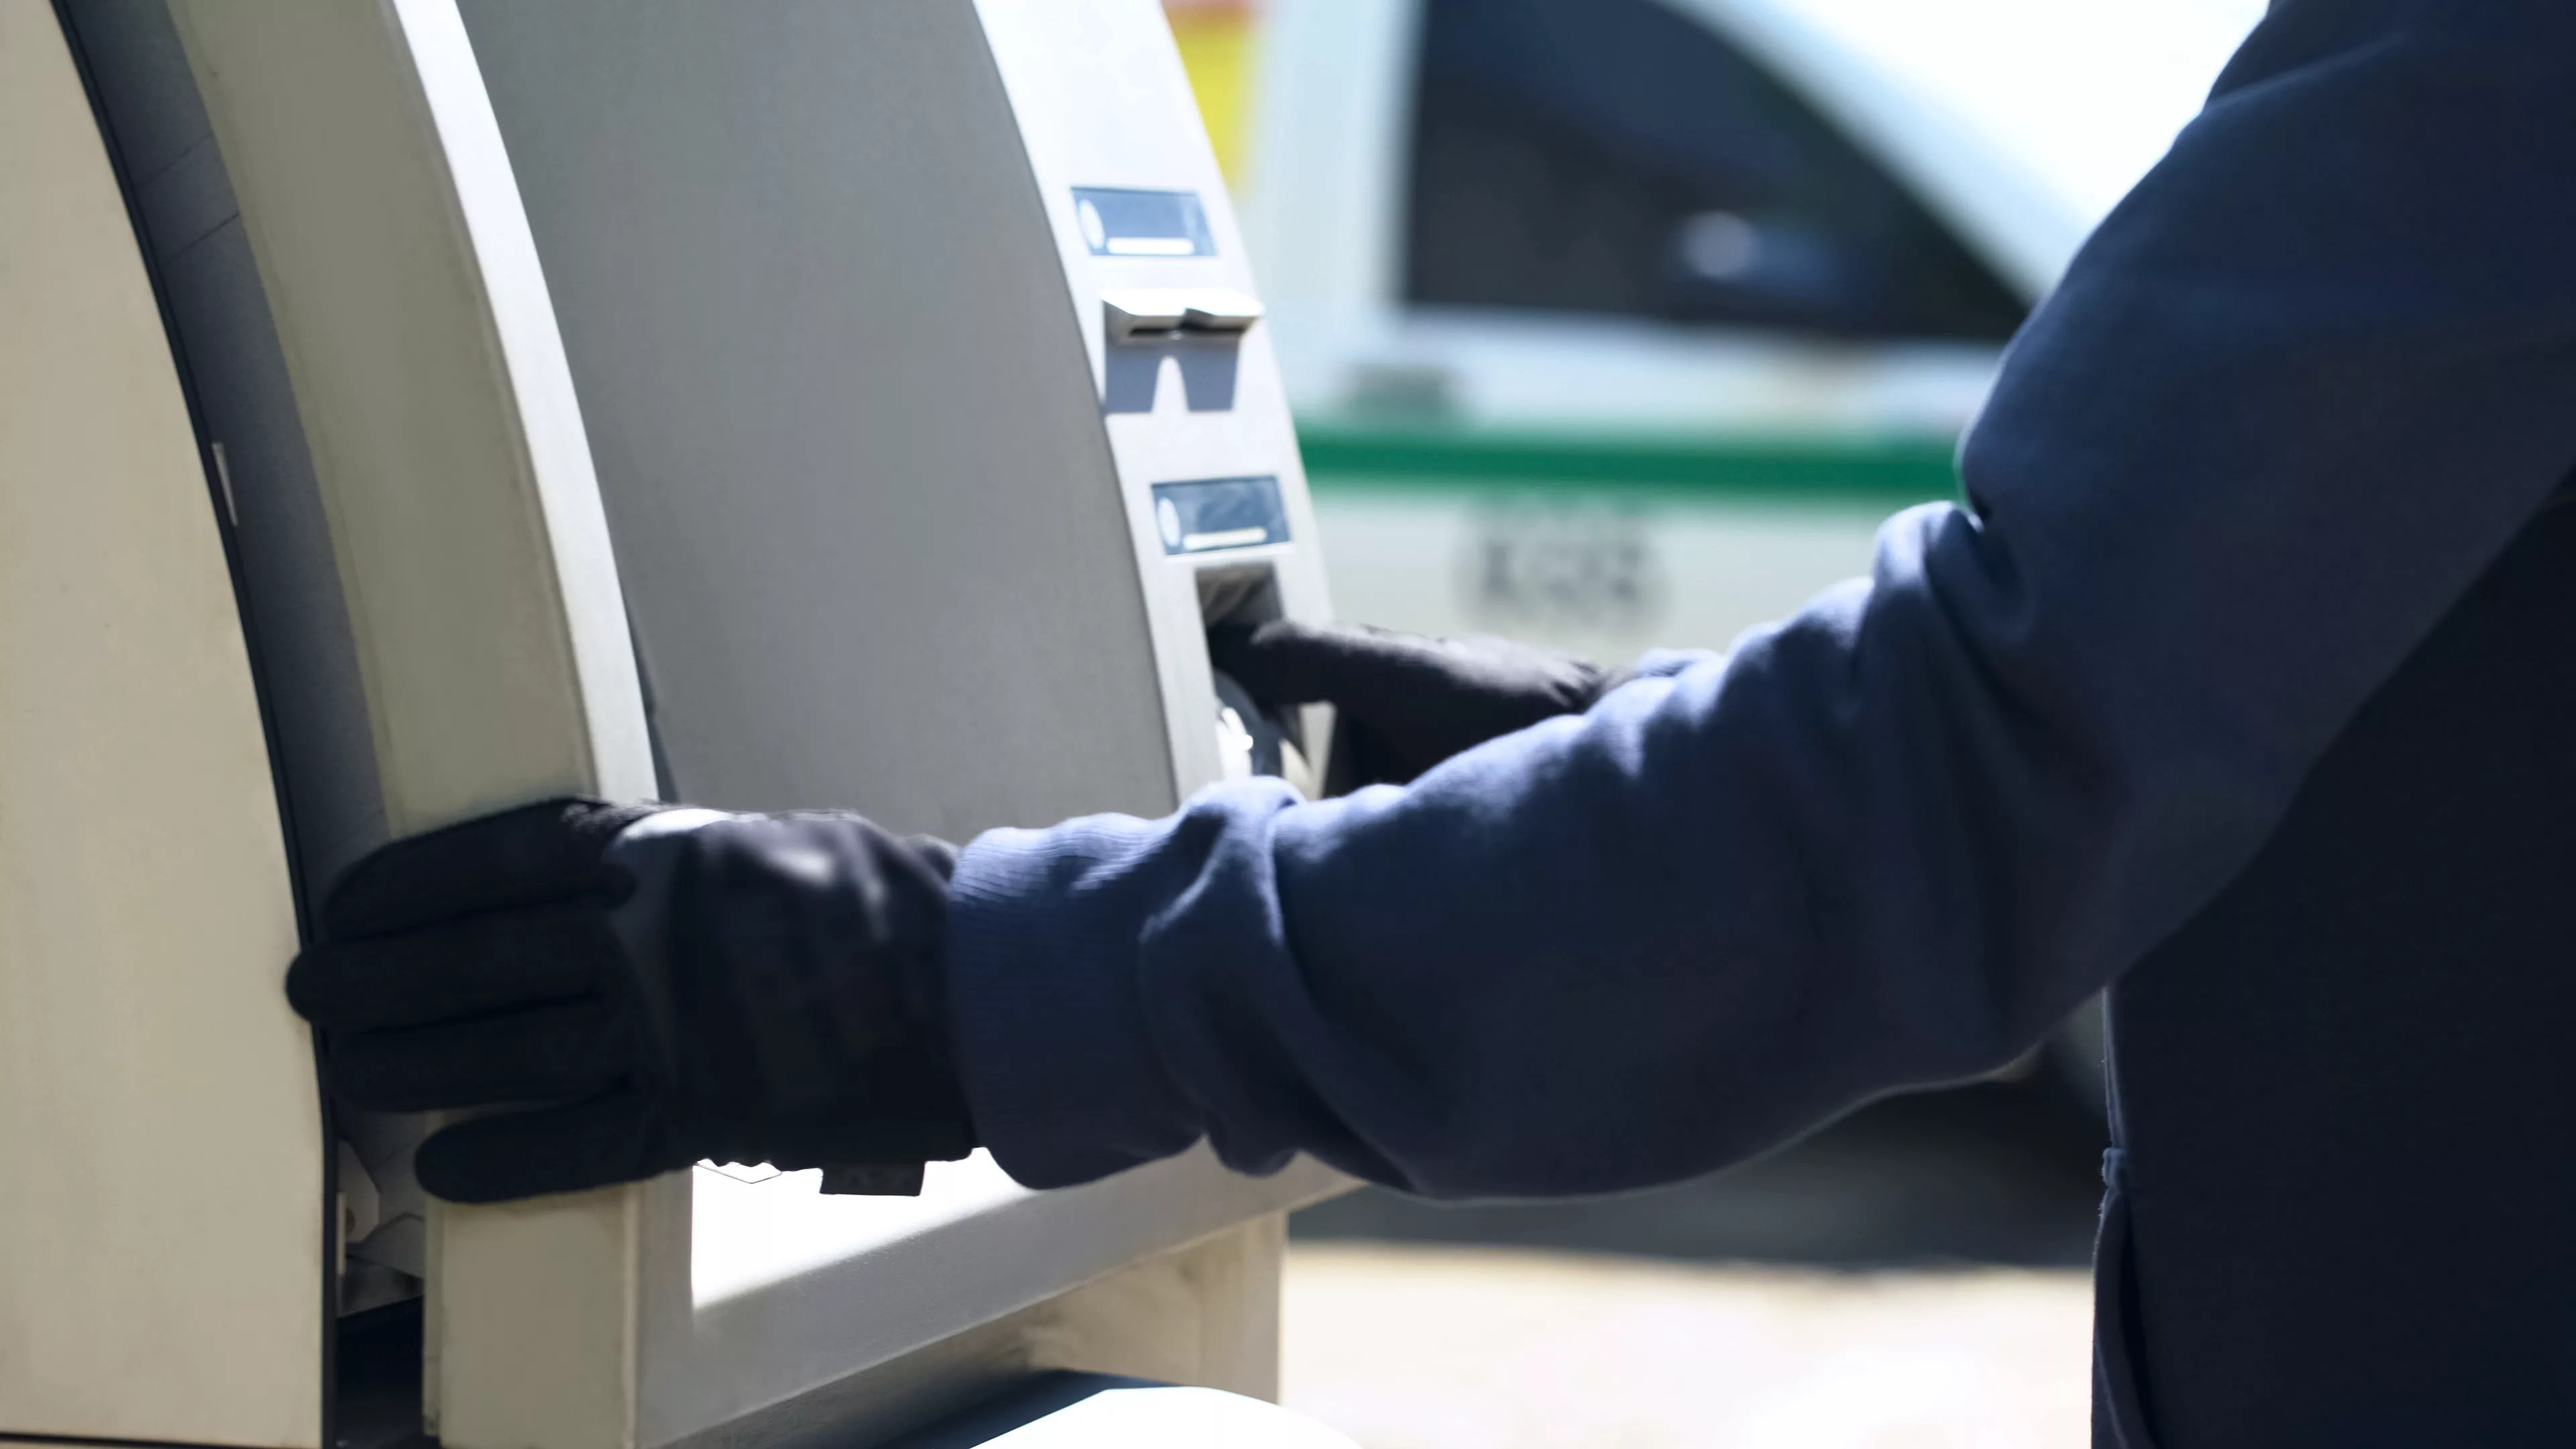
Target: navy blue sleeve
2292,398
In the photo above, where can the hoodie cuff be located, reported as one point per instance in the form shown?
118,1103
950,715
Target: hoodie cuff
1047,1017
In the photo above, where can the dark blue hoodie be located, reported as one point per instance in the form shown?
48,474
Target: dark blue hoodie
2242,681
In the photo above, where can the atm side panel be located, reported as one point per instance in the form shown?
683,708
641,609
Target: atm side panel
483,657
883,550
162,1239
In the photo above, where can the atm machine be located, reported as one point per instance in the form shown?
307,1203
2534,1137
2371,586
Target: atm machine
415,408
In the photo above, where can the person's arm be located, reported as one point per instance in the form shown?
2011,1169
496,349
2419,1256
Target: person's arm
2300,389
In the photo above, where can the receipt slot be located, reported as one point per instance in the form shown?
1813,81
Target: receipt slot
776,404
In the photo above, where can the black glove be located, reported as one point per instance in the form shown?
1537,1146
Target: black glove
646,987
1405,702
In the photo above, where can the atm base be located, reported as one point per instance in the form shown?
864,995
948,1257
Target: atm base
1080,1411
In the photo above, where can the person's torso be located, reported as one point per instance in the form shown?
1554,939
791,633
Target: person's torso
2344,1192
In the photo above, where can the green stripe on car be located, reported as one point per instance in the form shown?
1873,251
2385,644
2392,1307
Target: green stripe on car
1888,472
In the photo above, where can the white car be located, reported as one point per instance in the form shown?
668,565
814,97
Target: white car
1620,323
1616,323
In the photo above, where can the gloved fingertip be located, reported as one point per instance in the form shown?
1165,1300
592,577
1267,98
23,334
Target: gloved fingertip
301,993
1608,680
541,1151
328,985
444,1177
940,855
1229,645
518,857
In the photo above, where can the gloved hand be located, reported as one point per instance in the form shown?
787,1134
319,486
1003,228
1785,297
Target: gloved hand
644,987
1405,702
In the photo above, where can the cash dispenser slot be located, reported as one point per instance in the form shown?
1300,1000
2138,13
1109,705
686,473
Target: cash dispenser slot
1141,317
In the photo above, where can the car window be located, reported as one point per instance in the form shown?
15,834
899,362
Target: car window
1617,156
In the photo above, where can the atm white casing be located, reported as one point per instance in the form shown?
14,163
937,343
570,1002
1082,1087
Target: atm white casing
455,272
163,1192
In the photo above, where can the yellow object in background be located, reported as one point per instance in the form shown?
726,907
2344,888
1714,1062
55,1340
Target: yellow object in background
1217,40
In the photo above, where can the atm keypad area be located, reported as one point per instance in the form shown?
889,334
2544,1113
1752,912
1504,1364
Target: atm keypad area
1234,531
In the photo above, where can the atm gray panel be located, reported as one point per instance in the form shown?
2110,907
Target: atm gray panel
839,404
